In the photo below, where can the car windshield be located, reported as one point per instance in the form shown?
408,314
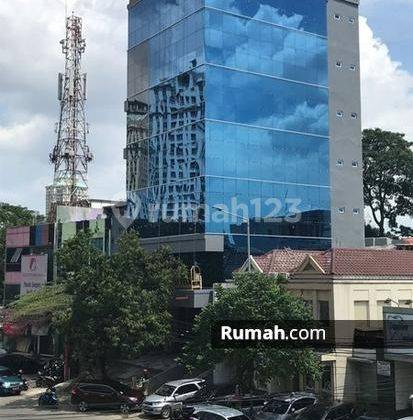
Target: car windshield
277,407
6,372
118,386
313,413
165,390
243,417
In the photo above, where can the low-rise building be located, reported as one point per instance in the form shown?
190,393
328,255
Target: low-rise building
351,285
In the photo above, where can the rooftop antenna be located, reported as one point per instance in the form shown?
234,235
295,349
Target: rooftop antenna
71,155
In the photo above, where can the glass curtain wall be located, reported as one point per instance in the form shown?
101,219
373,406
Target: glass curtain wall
228,106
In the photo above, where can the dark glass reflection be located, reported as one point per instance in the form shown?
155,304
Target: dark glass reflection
255,153
136,154
265,102
307,15
148,17
169,209
169,162
171,52
273,208
263,48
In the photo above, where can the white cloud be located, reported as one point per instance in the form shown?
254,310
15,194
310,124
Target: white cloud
387,88
387,91
30,59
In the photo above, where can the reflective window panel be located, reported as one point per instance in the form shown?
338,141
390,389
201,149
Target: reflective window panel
169,157
273,209
173,103
169,209
261,154
169,53
148,17
306,15
263,48
266,102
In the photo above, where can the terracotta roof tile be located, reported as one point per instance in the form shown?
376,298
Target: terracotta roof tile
339,261
282,260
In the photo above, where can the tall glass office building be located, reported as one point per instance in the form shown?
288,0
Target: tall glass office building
231,107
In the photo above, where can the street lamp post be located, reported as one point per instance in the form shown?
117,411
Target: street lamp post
245,219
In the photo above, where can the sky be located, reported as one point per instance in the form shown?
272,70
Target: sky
30,59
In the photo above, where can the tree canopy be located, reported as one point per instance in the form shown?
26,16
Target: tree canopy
254,297
388,177
120,303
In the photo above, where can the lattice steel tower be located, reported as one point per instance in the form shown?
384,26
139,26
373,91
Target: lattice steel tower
71,155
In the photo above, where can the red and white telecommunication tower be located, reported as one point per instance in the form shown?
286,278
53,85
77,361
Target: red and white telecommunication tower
71,154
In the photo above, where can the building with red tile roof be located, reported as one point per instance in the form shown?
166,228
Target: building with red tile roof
338,262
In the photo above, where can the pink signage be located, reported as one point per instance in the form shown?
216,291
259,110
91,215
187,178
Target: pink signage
13,278
18,237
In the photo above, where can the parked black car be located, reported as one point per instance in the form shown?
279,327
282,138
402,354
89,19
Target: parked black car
105,394
321,411
19,362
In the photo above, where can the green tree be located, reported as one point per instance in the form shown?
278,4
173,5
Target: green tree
388,176
10,216
255,297
120,304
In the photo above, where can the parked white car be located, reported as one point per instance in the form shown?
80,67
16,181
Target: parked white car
162,401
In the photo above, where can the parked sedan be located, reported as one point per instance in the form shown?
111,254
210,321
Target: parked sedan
343,411
105,395
248,404
285,406
217,412
10,383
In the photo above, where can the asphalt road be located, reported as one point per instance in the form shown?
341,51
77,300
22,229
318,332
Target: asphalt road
24,407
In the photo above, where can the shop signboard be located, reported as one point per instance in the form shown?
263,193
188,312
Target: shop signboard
34,273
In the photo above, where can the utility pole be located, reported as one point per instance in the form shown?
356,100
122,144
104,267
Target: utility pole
71,155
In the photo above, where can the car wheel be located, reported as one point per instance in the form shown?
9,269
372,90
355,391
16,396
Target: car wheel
124,408
83,407
166,412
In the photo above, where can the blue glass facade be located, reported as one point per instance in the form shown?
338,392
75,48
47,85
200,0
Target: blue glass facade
228,105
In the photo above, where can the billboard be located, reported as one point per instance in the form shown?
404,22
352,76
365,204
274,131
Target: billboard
398,332
33,274
67,214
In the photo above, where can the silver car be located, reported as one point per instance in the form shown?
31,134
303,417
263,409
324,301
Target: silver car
163,400
286,406
217,412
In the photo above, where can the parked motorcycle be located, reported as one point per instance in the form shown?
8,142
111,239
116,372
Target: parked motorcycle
25,385
48,398
52,374
45,381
